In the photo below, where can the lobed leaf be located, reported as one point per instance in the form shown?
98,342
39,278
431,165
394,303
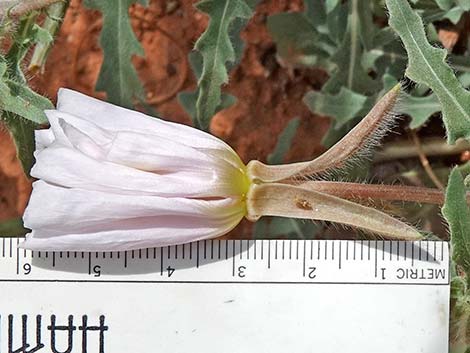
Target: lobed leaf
216,49
427,65
342,107
118,77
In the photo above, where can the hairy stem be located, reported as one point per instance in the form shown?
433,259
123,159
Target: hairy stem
285,200
355,191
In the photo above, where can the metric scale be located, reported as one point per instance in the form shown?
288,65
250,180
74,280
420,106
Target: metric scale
228,296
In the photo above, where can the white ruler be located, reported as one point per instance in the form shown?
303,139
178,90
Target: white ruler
220,296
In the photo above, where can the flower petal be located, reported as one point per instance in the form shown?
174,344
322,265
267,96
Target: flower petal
137,150
63,210
70,168
114,118
43,138
167,233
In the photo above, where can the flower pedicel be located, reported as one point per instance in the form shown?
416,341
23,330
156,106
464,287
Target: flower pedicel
115,179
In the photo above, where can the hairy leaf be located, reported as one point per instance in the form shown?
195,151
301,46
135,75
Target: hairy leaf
19,99
118,77
216,49
457,214
427,66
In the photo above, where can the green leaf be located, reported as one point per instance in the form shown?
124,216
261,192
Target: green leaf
342,107
216,50
427,66
420,109
284,142
19,99
457,214
12,228
188,100
118,77
349,72
22,132
297,40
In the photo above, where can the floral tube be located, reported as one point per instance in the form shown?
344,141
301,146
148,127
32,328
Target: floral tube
115,179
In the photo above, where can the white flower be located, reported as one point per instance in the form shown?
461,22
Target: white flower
115,179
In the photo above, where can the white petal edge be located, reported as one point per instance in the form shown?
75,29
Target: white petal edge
118,240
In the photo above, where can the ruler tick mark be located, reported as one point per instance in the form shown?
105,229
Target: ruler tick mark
161,261
197,254
89,263
269,254
339,262
254,246
275,250
305,255
262,249
233,258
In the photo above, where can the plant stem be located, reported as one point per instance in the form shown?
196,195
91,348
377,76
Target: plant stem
55,16
430,147
425,162
354,191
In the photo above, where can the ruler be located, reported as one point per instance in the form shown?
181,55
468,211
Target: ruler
228,296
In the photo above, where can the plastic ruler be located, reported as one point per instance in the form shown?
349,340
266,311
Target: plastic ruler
219,296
